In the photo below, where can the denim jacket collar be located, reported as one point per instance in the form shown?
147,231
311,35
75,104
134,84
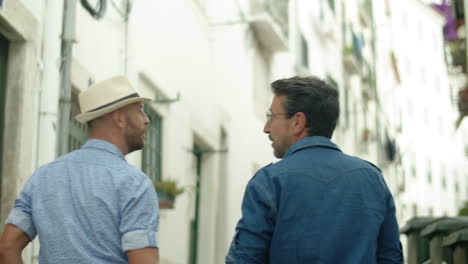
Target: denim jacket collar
313,141
104,145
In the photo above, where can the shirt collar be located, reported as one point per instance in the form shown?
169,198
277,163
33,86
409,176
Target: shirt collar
103,145
314,141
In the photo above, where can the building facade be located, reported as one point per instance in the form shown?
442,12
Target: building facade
208,72
208,64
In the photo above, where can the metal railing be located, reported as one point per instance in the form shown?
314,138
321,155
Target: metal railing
277,9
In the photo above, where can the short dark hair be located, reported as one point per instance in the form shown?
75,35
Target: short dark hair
315,98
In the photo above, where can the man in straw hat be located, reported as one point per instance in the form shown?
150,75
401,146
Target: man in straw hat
91,206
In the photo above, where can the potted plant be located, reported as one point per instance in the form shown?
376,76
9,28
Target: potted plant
348,49
167,191
463,101
366,135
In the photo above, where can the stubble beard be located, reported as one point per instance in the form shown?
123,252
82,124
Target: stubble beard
135,137
135,141
134,146
278,154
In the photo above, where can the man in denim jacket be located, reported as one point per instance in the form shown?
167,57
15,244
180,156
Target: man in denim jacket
316,205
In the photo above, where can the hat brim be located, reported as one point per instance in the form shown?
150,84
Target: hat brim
86,117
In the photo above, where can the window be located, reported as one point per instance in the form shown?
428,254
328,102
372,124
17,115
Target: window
152,152
429,172
387,8
78,132
331,3
443,173
321,15
304,53
444,182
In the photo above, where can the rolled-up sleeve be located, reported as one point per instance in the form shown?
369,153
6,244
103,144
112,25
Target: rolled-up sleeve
21,215
140,215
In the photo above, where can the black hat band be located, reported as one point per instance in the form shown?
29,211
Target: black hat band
114,102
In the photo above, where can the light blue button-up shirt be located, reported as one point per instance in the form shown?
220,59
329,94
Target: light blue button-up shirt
89,206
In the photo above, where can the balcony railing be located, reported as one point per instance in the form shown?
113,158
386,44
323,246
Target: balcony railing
353,55
277,9
270,21
456,54
463,102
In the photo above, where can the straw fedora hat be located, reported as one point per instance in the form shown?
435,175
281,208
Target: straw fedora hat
106,96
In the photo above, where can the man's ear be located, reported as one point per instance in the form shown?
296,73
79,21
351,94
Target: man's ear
299,123
118,118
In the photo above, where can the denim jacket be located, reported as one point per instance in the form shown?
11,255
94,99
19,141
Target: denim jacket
317,205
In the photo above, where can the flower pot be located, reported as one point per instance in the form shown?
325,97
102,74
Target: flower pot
166,200
366,135
463,101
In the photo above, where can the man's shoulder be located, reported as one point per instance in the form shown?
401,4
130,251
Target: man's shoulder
372,165
362,163
270,172
343,161
261,172
134,171
96,159
275,169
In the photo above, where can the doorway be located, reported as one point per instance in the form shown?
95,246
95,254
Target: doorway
4,44
194,228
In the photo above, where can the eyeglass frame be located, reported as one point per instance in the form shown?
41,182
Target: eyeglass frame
270,115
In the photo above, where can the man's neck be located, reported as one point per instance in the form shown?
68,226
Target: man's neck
120,144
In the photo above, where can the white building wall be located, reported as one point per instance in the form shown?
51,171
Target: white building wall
420,110
170,48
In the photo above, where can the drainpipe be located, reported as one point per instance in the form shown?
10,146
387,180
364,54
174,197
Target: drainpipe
50,82
68,39
46,137
126,29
